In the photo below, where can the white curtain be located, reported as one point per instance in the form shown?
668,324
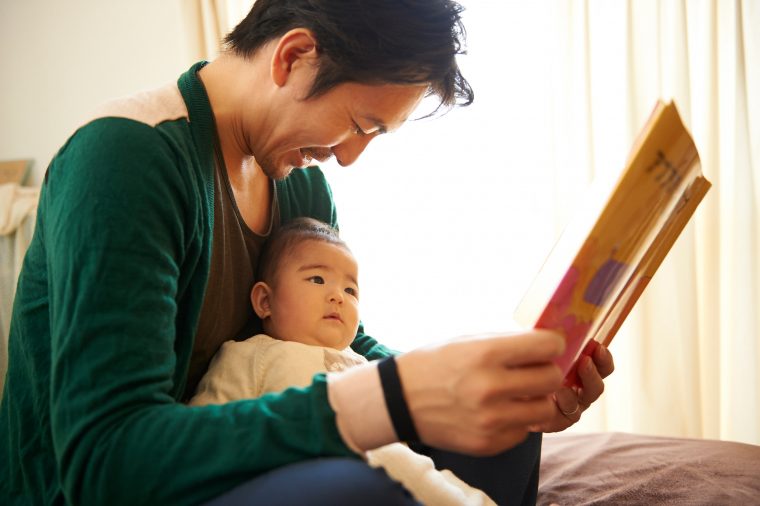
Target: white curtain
18,210
451,217
212,20
688,356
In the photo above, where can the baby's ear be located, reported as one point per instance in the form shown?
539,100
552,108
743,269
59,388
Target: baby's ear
260,299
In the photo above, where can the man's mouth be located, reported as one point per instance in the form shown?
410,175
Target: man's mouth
319,154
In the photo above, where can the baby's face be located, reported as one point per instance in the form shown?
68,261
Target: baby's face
315,297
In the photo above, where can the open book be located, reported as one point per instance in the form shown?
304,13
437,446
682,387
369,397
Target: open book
605,258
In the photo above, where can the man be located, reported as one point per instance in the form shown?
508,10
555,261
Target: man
150,222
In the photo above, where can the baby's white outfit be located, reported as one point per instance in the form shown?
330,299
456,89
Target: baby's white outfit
262,364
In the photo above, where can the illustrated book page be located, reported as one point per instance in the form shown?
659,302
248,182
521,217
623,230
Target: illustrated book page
605,258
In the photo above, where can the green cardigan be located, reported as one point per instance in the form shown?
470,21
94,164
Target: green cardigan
105,316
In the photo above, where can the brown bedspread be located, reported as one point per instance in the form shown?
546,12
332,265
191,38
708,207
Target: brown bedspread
618,468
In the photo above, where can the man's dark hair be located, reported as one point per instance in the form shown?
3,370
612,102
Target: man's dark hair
286,238
369,41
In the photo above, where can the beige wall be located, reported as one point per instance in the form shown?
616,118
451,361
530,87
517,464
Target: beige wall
59,59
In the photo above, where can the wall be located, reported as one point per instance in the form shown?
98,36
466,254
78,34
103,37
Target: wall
61,59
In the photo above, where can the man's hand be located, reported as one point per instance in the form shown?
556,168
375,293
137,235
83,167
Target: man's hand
479,395
571,402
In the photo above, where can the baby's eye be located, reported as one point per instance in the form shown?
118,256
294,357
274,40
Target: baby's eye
351,291
317,280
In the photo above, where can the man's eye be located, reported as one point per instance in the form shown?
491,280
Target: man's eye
351,291
318,280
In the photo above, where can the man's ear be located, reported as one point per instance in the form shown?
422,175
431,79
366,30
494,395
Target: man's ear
296,48
260,299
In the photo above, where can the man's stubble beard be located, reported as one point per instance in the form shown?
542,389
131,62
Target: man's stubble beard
269,168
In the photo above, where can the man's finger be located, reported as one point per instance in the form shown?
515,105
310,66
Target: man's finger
593,385
525,348
603,360
525,381
568,403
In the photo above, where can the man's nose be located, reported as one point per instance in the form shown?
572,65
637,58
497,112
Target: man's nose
349,150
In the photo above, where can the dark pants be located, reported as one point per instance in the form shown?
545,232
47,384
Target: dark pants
510,477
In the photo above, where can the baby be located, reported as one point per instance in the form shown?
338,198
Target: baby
307,297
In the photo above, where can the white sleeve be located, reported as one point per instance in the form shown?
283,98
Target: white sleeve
418,475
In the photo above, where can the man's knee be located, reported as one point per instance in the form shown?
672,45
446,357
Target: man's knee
330,481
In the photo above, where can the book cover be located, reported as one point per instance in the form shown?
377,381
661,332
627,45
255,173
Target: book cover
605,258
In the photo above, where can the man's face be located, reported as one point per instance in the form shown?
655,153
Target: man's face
339,123
315,296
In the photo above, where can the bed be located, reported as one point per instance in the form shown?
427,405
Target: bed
619,468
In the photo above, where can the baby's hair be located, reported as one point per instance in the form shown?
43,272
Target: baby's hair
287,237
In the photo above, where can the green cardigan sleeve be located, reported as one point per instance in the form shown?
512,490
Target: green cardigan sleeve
116,222
369,347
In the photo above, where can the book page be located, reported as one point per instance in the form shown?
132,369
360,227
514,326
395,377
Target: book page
587,296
